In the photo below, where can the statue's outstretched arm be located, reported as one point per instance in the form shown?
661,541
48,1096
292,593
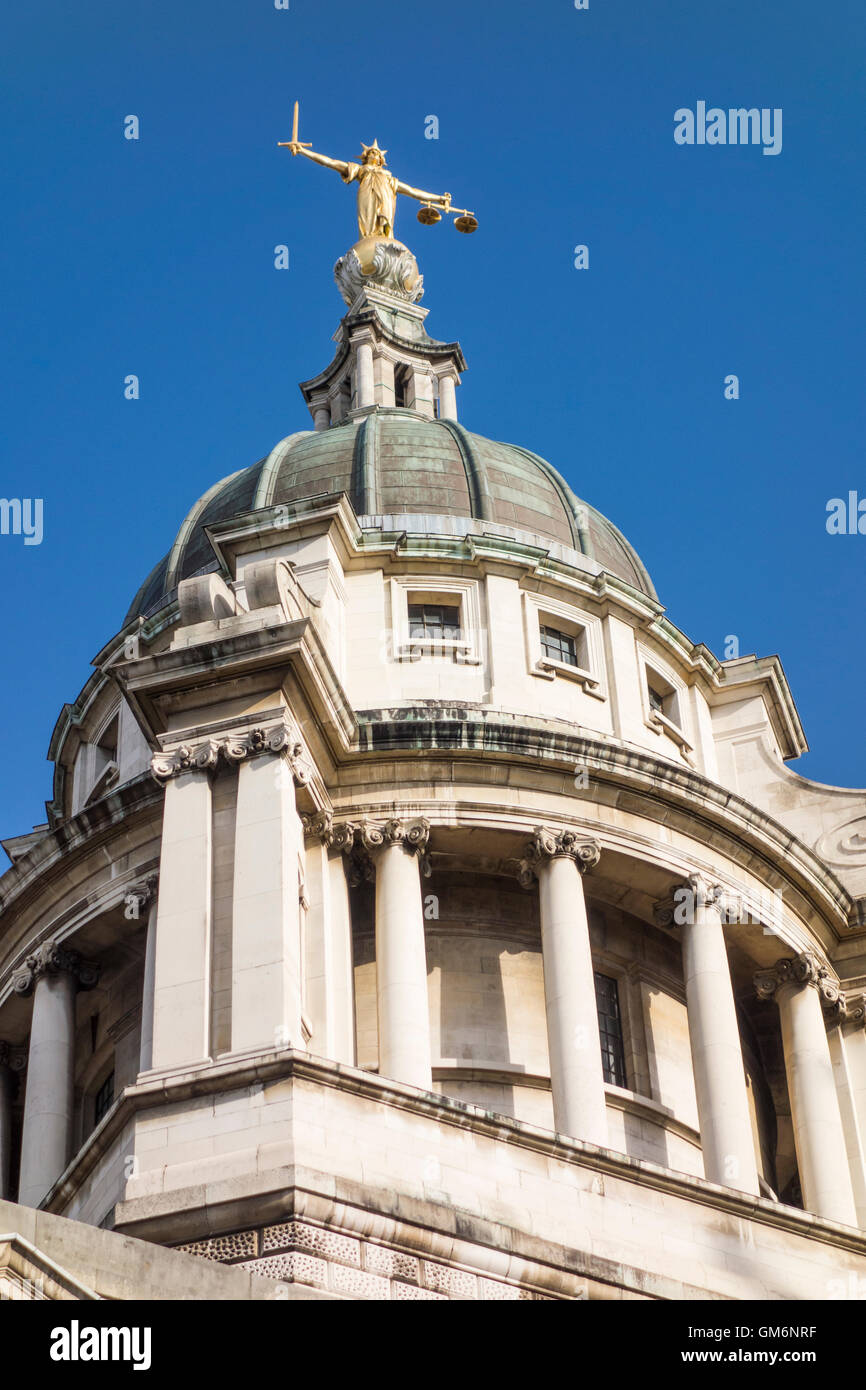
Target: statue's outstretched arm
443,199
339,164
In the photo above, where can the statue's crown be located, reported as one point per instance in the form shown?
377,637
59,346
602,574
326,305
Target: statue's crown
374,146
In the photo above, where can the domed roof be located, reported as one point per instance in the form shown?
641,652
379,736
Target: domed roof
394,462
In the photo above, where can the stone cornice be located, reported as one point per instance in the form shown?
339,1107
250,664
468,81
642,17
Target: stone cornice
81,832
707,806
557,844
51,959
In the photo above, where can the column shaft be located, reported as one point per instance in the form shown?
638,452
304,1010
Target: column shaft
181,1012
328,964
848,1053
818,1135
266,965
364,385
401,970
48,1102
717,1060
145,1056
447,398
576,1074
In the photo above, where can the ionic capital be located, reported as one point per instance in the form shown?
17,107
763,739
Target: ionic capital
412,835
549,844
12,1058
276,739
136,900
318,825
804,970
198,757
855,1010
696,891
51,959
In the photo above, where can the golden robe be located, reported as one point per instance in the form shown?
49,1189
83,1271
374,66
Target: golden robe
377,198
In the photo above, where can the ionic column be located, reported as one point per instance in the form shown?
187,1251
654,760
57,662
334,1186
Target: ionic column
727,1144
447,398
53,975
397,849
800,985
559,860
322,416
365,390
182,958
266,957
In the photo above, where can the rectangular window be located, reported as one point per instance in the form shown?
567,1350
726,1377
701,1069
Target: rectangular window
610,1030
558,646
434,621
104,1099
662,698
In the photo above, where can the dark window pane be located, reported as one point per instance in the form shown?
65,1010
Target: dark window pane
104,1099
558,646
434,620
610,1030
657,701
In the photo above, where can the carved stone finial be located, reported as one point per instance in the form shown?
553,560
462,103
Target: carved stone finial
803,969
52,959
557,844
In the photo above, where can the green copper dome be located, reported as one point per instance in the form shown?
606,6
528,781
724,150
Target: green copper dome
395,463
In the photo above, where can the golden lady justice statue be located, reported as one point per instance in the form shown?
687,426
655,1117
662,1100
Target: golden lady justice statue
378,189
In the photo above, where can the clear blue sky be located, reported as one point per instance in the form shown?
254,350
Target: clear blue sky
155,257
